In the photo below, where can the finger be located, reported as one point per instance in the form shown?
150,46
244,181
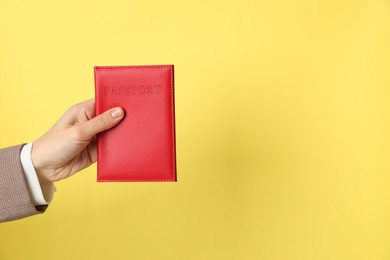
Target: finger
92,150
79,112
88,109
101,123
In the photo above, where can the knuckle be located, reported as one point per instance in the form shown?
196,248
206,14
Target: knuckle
102,120
77,133
73,109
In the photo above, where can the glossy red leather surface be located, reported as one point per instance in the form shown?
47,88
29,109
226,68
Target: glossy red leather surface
142,146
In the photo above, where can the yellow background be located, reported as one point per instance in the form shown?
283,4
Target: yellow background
283,128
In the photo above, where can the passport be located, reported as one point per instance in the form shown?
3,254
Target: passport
142,147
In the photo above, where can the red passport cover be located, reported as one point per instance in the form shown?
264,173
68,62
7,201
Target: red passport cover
142,146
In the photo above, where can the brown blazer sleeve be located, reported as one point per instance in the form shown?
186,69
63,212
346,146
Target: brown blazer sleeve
15,197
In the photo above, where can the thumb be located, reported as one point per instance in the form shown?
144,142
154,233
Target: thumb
101,122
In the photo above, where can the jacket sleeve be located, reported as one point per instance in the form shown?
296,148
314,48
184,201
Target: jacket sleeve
15,197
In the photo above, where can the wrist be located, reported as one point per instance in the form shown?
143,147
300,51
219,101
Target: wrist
41,192
37,163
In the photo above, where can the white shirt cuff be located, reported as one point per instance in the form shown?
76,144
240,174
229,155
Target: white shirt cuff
41,194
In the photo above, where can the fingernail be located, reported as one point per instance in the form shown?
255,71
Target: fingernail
117,112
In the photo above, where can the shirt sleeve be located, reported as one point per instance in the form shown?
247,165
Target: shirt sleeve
41,194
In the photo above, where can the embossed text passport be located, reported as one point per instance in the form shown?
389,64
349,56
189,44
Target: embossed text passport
142,146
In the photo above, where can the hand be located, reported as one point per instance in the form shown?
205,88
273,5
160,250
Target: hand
70,145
